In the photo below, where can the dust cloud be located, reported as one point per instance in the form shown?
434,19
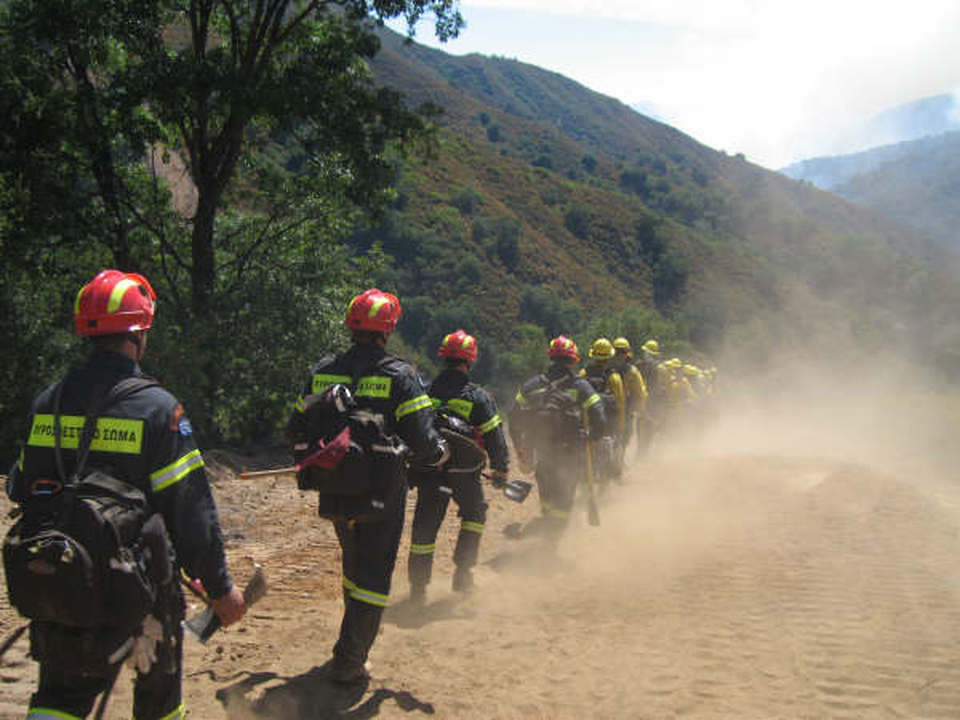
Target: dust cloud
789,551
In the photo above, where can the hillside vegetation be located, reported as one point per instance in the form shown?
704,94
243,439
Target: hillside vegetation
544,189
916,183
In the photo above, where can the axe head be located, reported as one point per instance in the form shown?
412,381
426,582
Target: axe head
205,623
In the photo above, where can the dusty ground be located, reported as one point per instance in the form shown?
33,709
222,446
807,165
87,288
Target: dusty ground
743,579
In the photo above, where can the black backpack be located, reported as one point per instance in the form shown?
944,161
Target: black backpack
87,552
599,383
552,417
346,454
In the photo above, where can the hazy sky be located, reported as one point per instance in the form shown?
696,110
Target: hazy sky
777,80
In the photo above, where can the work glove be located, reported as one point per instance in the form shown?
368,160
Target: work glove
144,652
498,478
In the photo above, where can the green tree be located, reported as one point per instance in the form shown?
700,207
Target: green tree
104,76
270,109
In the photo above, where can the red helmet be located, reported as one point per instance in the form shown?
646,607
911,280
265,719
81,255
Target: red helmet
374,310
114,302
459,345
562,346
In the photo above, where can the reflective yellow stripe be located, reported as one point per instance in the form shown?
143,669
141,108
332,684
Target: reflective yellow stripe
116,295
519,398
471,526
368,596
349,584
375,307
376,386
175,472
299,406
116,435
461,407
321,382
552,511
39,713
591,401
411,406
20,461
178,714
422,548
490,424
76,303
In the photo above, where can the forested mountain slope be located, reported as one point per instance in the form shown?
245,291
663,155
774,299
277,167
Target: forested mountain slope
543,188
916,183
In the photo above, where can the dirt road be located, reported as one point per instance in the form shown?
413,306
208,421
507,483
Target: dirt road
728,584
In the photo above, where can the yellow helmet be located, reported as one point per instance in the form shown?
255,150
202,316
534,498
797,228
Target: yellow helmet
602,349
673,364
652,346
691,370
621,343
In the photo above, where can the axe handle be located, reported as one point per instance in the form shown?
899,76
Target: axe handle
12,638
593,514
289,470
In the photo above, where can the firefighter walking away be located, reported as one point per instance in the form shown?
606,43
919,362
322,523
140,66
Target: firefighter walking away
379,405
104,432
549,425
469,418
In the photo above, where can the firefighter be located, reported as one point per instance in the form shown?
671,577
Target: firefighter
650,420
678,394
388,386
601,373
152,449
452,393
553,414
636,391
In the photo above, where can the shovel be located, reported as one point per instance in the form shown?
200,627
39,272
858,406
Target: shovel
593,514
205,623
516,490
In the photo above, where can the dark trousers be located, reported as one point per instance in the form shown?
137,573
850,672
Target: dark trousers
369,556
432,502
557,474
71,692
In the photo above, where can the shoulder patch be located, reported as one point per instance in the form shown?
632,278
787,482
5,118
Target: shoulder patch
175,417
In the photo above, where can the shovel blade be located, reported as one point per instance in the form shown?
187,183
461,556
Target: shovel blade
517,490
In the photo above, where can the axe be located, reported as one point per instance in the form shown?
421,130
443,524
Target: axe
205,623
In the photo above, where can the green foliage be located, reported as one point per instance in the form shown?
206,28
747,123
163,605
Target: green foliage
669,280
501,237
466,200
544,307
284,137
577,220
470,269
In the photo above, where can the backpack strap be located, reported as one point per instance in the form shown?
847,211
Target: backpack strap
120,391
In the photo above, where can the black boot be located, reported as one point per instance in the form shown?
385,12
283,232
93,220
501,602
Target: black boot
463,580
358,630
419,570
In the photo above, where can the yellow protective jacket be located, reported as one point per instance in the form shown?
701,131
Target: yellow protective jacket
607,381
635,387
679,392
